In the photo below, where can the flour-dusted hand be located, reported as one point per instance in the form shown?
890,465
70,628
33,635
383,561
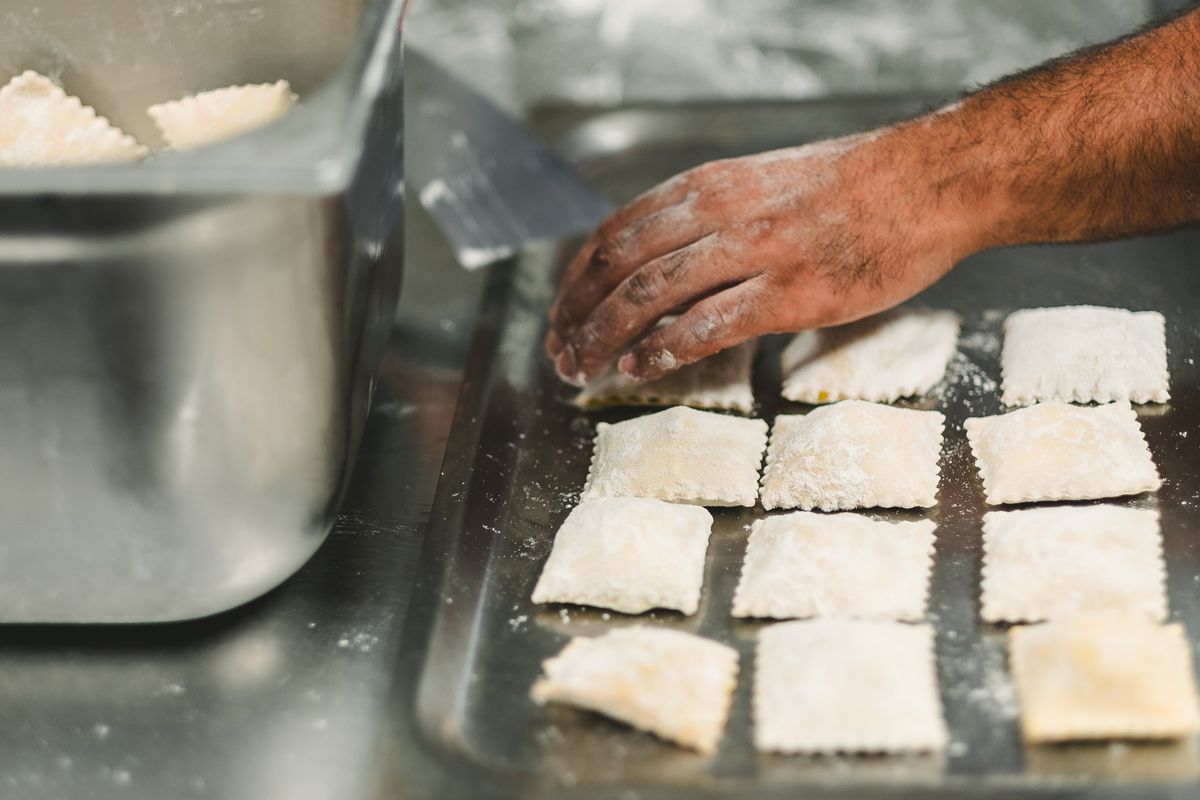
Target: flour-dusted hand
780,241
1098,145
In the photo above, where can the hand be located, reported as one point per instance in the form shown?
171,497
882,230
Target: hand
781,241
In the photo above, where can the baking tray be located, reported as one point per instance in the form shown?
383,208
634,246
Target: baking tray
519,453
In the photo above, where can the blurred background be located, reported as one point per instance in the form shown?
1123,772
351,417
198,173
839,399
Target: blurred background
526,53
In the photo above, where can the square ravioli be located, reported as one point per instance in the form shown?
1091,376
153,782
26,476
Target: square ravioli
676,685
847,686
1104,676
853,454
721,380
680,455
899,353
628,554
219,114
1051,563
40,125
1084,354
1057,451
804,564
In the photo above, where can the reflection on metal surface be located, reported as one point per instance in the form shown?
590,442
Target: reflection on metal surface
188,345
1114,761
261,703
519,454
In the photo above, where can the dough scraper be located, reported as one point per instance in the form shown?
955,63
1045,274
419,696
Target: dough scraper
490,184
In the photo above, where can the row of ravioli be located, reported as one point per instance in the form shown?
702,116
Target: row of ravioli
1096,573
850,675
855,454
1074,354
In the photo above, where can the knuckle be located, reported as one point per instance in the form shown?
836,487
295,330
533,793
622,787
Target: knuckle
649,283
604,259
642,287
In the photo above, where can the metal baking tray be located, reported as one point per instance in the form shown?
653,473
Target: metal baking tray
519,453
188,343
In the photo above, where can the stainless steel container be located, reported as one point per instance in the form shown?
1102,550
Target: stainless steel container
187,344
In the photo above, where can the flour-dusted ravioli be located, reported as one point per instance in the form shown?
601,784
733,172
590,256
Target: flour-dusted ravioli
1084,354
1052,563
41,126
218,114
721,380
899,353
629,554
1104,676
673,684
805,564
849,686
680,455
1057,451
853,454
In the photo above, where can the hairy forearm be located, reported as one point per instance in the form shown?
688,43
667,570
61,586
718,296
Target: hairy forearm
1100,145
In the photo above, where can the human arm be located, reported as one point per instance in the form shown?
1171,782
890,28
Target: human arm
1099,145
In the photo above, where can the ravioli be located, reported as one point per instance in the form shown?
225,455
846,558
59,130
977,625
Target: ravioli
1056,451
219,114
805,564
847,686
680,455
721,381
674,684
41,126
853,454
899,353
1104,676
1084,354
629,554
1053,563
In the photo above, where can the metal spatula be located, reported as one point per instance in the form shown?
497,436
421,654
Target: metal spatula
490,184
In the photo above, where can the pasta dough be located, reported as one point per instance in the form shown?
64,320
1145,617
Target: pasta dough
899,353
852,686
674,684
1084,354
1056,451
681,455
1101,676
853,454
628,554
41,126
842,565
1051,563
211,116
721,380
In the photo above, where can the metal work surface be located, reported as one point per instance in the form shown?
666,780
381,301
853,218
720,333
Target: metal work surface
519,453
283,698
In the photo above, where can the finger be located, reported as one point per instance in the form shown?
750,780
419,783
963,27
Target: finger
723,320
678,279
669,193
621,254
